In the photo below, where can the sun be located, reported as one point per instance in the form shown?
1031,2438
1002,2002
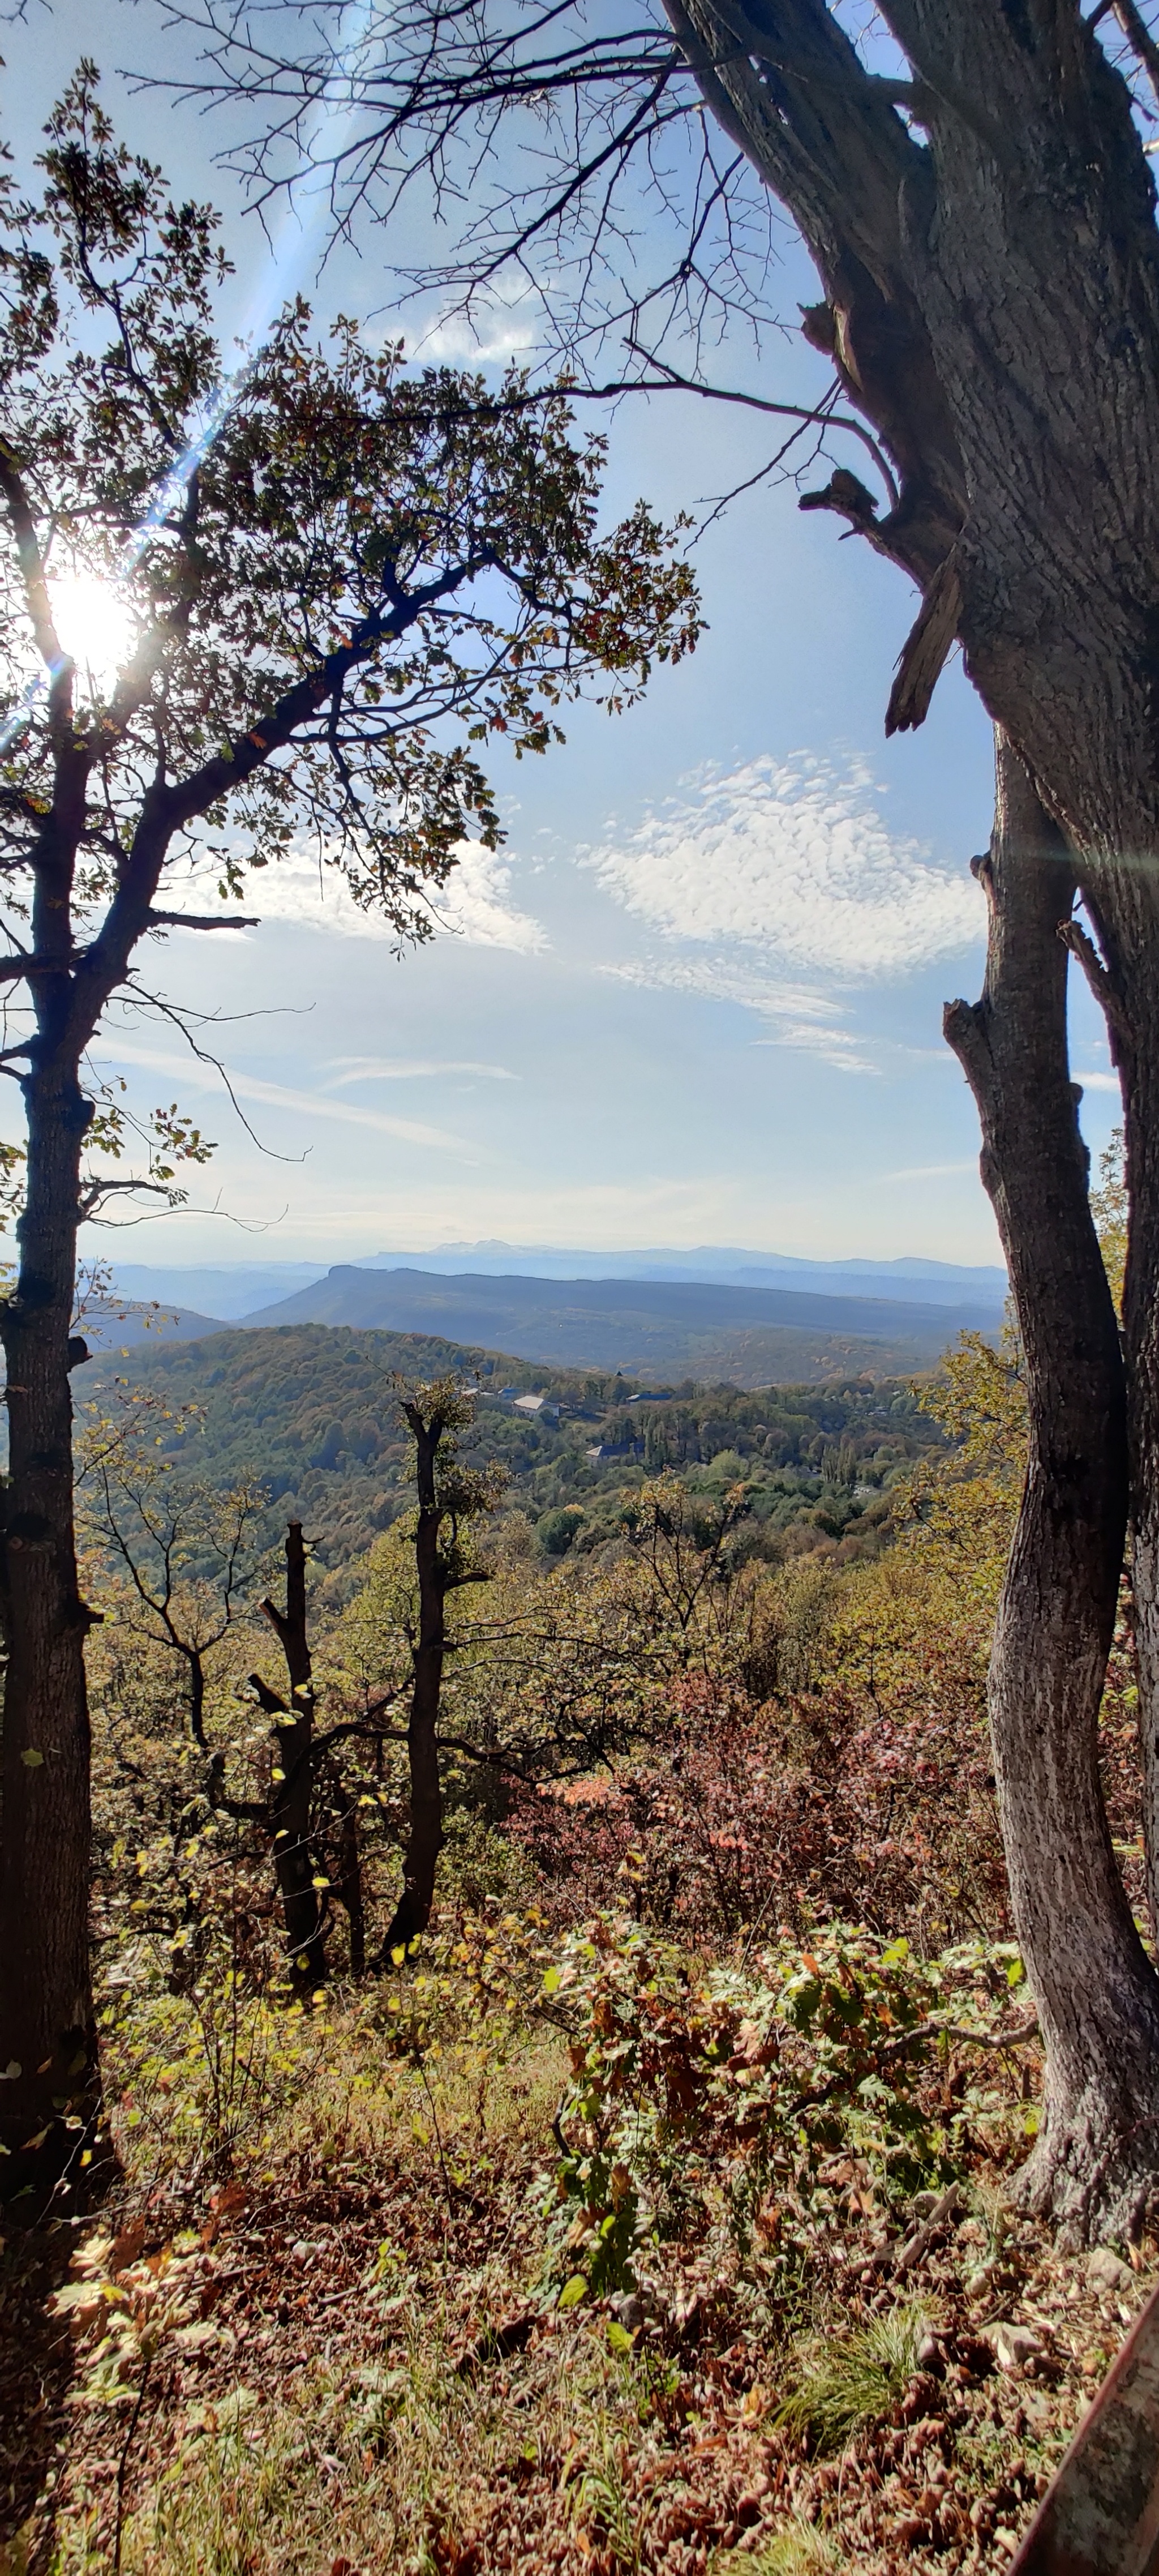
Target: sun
95,627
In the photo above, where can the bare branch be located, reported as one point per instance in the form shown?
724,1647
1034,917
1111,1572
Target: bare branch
155,920
13,967
1105,993
926,650
29,557
1140,39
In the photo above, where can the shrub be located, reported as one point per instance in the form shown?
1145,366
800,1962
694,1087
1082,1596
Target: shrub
734,1815
748,2076
557,1529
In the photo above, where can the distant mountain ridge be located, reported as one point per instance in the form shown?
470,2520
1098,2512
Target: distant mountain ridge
245,1290
751,1335
720,1265
227,1292
109,1326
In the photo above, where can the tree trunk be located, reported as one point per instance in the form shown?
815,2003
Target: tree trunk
1127,986
991,282
425,1838
1141,1337
47,2032
291,1795
1097,1995
1039,280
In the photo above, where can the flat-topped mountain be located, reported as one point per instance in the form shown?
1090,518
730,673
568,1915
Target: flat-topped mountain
239,1289
756,1336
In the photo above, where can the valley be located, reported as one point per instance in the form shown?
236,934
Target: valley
311,1413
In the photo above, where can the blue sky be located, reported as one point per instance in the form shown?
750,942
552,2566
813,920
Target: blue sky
698,996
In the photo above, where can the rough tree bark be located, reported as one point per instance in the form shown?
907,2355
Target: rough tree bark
1097,1994
49,2087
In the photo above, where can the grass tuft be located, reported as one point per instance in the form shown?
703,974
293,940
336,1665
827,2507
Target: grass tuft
856,2381
799,2549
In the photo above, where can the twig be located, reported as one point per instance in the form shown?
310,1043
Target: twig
420,2062
923,2030
1139,38
915,2246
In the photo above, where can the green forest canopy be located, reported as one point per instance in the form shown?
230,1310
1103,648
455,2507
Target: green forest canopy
311,1412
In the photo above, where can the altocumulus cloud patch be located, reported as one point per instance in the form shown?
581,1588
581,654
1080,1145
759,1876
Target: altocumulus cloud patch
792,857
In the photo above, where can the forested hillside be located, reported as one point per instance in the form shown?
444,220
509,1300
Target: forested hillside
654,2195
311,1413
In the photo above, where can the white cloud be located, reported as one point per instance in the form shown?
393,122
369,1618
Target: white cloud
199,1076
932,1171
315,1105
837,1047
474,906
792,857
498,340
1099,1082
799,1017
508,325
720,979
396,1068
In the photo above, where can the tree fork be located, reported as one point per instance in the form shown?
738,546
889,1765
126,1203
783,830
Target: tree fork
1097,1995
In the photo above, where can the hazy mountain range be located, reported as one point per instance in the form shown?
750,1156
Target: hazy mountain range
832,1321
231,1292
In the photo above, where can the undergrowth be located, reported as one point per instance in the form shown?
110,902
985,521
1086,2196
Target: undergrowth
573,2255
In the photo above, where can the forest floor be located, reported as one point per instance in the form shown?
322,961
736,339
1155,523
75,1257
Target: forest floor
335,2356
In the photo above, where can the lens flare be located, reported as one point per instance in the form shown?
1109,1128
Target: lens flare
95,628
94,624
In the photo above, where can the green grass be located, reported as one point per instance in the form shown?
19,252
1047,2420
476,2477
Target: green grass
857,2380
799,2550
